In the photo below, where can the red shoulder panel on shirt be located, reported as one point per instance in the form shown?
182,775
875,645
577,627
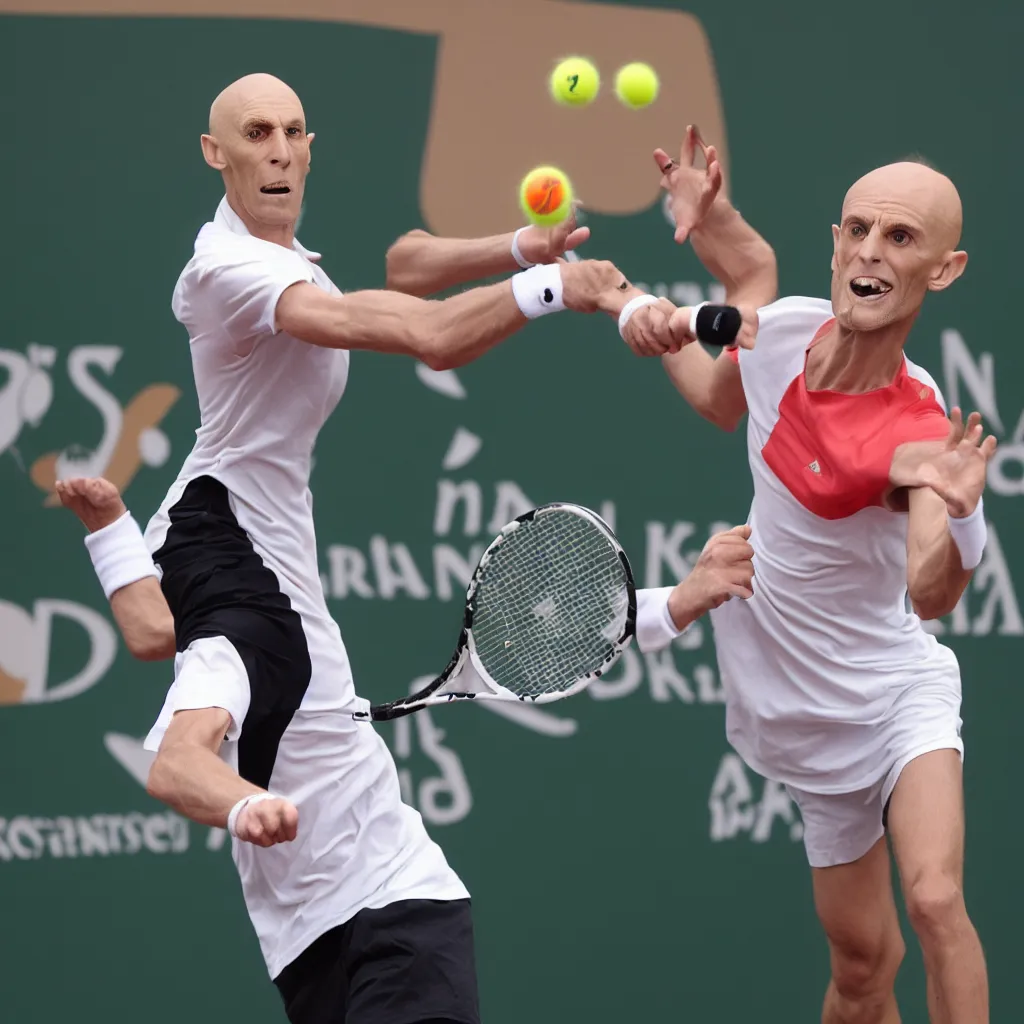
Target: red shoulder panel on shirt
833,451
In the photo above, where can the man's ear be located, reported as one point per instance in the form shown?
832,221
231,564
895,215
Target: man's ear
835,245
212,153
948,271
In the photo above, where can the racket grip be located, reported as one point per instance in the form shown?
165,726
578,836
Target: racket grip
386,712
717,325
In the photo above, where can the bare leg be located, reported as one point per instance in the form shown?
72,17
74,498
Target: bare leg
856,908
926,823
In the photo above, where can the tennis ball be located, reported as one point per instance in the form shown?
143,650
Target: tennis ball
575,82
546,196
636,85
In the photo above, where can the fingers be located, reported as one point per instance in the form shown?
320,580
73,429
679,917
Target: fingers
647,331
576,237
956,427
988,447
688,150
268,822
665,165
739,531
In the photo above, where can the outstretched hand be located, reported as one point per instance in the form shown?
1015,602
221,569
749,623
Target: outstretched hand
955,468
692,190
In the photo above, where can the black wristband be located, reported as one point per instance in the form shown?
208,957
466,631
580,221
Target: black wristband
718,325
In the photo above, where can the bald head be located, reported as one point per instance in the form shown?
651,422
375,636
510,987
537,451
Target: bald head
917,189
258,141
896,242
252,90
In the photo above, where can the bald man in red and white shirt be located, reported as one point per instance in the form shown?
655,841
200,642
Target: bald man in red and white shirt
867,518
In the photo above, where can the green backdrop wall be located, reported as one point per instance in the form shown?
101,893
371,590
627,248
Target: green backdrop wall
625,866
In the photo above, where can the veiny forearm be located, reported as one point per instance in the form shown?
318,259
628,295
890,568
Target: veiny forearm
422,264
141,613
197,783
441,333
936,579
736,255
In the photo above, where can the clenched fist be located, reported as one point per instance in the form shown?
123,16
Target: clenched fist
267,822
724,569
94,500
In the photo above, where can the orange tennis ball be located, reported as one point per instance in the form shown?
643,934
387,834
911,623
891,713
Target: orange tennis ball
546,196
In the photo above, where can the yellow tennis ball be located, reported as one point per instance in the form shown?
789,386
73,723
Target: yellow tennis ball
575,82
636,85
546,196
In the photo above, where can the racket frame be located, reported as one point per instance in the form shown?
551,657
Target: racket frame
466,662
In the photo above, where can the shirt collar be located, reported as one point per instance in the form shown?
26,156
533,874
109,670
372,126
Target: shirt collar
227,218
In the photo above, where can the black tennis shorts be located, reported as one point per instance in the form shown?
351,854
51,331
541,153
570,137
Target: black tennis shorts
410,962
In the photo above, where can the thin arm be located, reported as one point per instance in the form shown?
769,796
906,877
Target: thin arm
737,256
936,579
141,613
443,334
422,264
189,775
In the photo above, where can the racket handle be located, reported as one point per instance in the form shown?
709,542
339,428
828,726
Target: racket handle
717,325
386,712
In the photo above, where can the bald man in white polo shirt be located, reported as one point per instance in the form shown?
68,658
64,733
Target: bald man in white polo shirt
359,916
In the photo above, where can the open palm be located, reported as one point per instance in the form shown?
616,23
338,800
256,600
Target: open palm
955,468
692,190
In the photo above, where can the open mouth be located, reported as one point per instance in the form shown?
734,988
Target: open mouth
279,188
869,287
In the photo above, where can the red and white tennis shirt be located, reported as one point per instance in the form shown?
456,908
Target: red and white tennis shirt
829,677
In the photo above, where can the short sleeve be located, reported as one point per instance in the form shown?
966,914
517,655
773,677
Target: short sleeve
209,674
237,285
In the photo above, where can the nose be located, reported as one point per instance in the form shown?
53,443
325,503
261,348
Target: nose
869,249
280,155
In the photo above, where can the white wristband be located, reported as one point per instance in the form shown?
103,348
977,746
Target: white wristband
631,307
253,798
693,317
119,554
655,628
517,253
539,290
969,535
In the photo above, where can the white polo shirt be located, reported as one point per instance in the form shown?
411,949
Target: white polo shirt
263,397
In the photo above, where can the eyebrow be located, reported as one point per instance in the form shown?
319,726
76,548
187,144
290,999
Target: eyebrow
898,225
264,122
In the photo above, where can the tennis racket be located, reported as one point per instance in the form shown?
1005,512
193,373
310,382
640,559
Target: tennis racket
550,607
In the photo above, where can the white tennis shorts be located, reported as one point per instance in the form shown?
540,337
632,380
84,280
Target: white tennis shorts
841,828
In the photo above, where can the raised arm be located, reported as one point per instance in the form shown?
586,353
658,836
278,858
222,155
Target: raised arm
449,332
735,255
728,247
422,264
138,606
946,529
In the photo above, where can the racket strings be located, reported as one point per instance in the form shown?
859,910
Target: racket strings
550,605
